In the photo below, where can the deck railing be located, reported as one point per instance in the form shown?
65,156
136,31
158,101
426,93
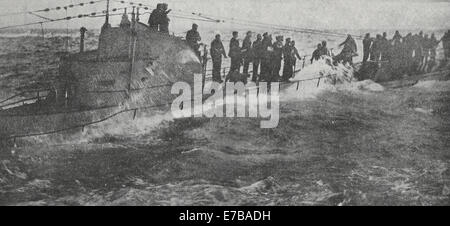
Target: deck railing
40,94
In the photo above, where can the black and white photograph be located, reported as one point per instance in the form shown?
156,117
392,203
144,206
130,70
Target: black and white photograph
235,103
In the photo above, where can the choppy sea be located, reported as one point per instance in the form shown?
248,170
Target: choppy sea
349,144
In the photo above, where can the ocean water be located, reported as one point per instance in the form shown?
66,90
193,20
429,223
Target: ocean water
354,143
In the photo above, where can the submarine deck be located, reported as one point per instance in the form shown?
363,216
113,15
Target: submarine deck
45,108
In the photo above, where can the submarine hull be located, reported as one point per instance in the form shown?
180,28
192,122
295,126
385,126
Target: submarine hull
133,68
22,123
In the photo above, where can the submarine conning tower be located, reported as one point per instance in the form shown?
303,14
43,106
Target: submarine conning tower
130,67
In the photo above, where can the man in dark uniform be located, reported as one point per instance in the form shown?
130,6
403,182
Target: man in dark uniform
287,59
290,60
396,55
164,20
246,51
277,58
257,52
286,47
375,50
217,51
153,20
433,44
426,47
408,44
385,48
267,51
324,49
349,50
367,44
235,53
316,54
294,54
397,38
192,39
446,44
416,41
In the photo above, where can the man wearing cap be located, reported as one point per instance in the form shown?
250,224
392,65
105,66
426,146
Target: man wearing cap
367,45
235,53
217,51
277,57
246,51
164,19
324,50
316,54
267,50
290,59
192,39
446,44
287,59
257,52
153,20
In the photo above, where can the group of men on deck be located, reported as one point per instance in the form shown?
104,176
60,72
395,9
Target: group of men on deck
411,52
322,50
265,55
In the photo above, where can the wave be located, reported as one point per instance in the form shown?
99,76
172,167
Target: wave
126,125
433,85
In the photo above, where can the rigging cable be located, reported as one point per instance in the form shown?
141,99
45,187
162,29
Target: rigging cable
188,15
210,18
79,16
53,9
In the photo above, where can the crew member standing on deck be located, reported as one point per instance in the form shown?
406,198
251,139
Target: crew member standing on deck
266,57
277,58
217,51
235,53
257,52
192,39
287,68
287,46
291,58
397,38
349,50
294,52
324,49
396,51
408,41
446,44
155,17
418,51
376,49
316,54
426,46
246,51
433,46
367,44
385,48
164,20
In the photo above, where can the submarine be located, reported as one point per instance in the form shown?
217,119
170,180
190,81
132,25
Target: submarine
132,68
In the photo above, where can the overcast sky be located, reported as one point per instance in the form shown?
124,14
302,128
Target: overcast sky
322,14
